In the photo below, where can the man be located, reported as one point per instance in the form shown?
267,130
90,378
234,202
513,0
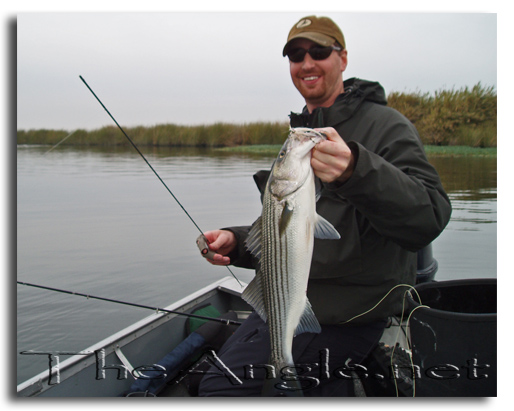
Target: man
379,192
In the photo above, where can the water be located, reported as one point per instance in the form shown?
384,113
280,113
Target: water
99,222
467,247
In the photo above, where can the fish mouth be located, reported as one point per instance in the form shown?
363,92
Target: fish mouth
303,134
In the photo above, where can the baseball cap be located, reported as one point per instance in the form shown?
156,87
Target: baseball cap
321,30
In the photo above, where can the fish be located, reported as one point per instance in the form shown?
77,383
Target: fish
282,240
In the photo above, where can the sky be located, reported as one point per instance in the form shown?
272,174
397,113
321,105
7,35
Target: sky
204,67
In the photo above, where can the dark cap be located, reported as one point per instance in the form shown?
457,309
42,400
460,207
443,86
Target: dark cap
321,30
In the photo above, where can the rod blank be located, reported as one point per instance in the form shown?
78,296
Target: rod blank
149,165
156,309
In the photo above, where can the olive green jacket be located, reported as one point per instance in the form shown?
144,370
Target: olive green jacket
392,206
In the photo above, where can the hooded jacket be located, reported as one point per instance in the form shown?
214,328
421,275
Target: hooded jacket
392,206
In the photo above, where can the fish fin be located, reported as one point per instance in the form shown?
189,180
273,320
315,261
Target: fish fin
253,241
253,295
325,230
308,322
287,213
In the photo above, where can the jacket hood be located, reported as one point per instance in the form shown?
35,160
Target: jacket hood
356,92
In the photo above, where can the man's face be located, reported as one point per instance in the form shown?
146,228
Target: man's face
318,81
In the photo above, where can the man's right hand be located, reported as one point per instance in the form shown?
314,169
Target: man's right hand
222,242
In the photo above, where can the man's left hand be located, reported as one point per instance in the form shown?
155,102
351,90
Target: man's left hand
332,160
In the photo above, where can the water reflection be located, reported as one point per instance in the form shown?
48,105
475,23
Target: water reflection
467,178
471,185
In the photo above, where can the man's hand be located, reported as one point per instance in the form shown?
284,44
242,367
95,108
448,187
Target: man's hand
332,160
222,242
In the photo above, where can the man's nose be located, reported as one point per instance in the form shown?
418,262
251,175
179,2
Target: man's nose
308,62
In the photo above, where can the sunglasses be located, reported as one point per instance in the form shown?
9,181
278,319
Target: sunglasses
316,52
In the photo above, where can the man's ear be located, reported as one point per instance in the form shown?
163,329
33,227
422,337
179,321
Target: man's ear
344,59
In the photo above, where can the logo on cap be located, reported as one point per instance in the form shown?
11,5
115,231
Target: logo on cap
303,23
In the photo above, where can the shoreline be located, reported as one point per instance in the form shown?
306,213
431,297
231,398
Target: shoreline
273,149
431,150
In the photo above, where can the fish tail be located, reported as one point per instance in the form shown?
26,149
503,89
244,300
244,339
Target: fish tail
286,384
277,387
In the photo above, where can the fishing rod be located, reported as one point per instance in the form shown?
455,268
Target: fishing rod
201,241
157,309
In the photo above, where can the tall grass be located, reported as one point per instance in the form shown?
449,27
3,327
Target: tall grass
465,117
215,135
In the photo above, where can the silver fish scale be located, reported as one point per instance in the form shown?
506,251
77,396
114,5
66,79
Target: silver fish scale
279,260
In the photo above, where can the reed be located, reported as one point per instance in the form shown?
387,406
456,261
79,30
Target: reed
465,117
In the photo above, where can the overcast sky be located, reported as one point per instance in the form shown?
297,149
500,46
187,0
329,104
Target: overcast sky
204,67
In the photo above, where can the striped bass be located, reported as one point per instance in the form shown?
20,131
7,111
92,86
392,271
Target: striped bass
283,240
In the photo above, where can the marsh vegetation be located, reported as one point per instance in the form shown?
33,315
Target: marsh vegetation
447,118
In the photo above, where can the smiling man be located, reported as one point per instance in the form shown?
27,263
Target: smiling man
380,193
317,60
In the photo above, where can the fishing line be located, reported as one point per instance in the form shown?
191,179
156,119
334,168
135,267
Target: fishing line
156,309
151,168
409,352
410,289
410,347
380,301
65,138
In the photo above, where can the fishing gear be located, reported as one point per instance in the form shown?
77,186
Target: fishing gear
157,309
65,138
205,253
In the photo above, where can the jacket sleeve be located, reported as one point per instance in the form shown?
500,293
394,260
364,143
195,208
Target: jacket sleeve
395,187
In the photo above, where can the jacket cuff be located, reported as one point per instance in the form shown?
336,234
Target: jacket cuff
239,257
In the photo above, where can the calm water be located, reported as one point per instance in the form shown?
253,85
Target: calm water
99,222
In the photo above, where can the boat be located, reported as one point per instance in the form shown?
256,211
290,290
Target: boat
107,368
162,354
